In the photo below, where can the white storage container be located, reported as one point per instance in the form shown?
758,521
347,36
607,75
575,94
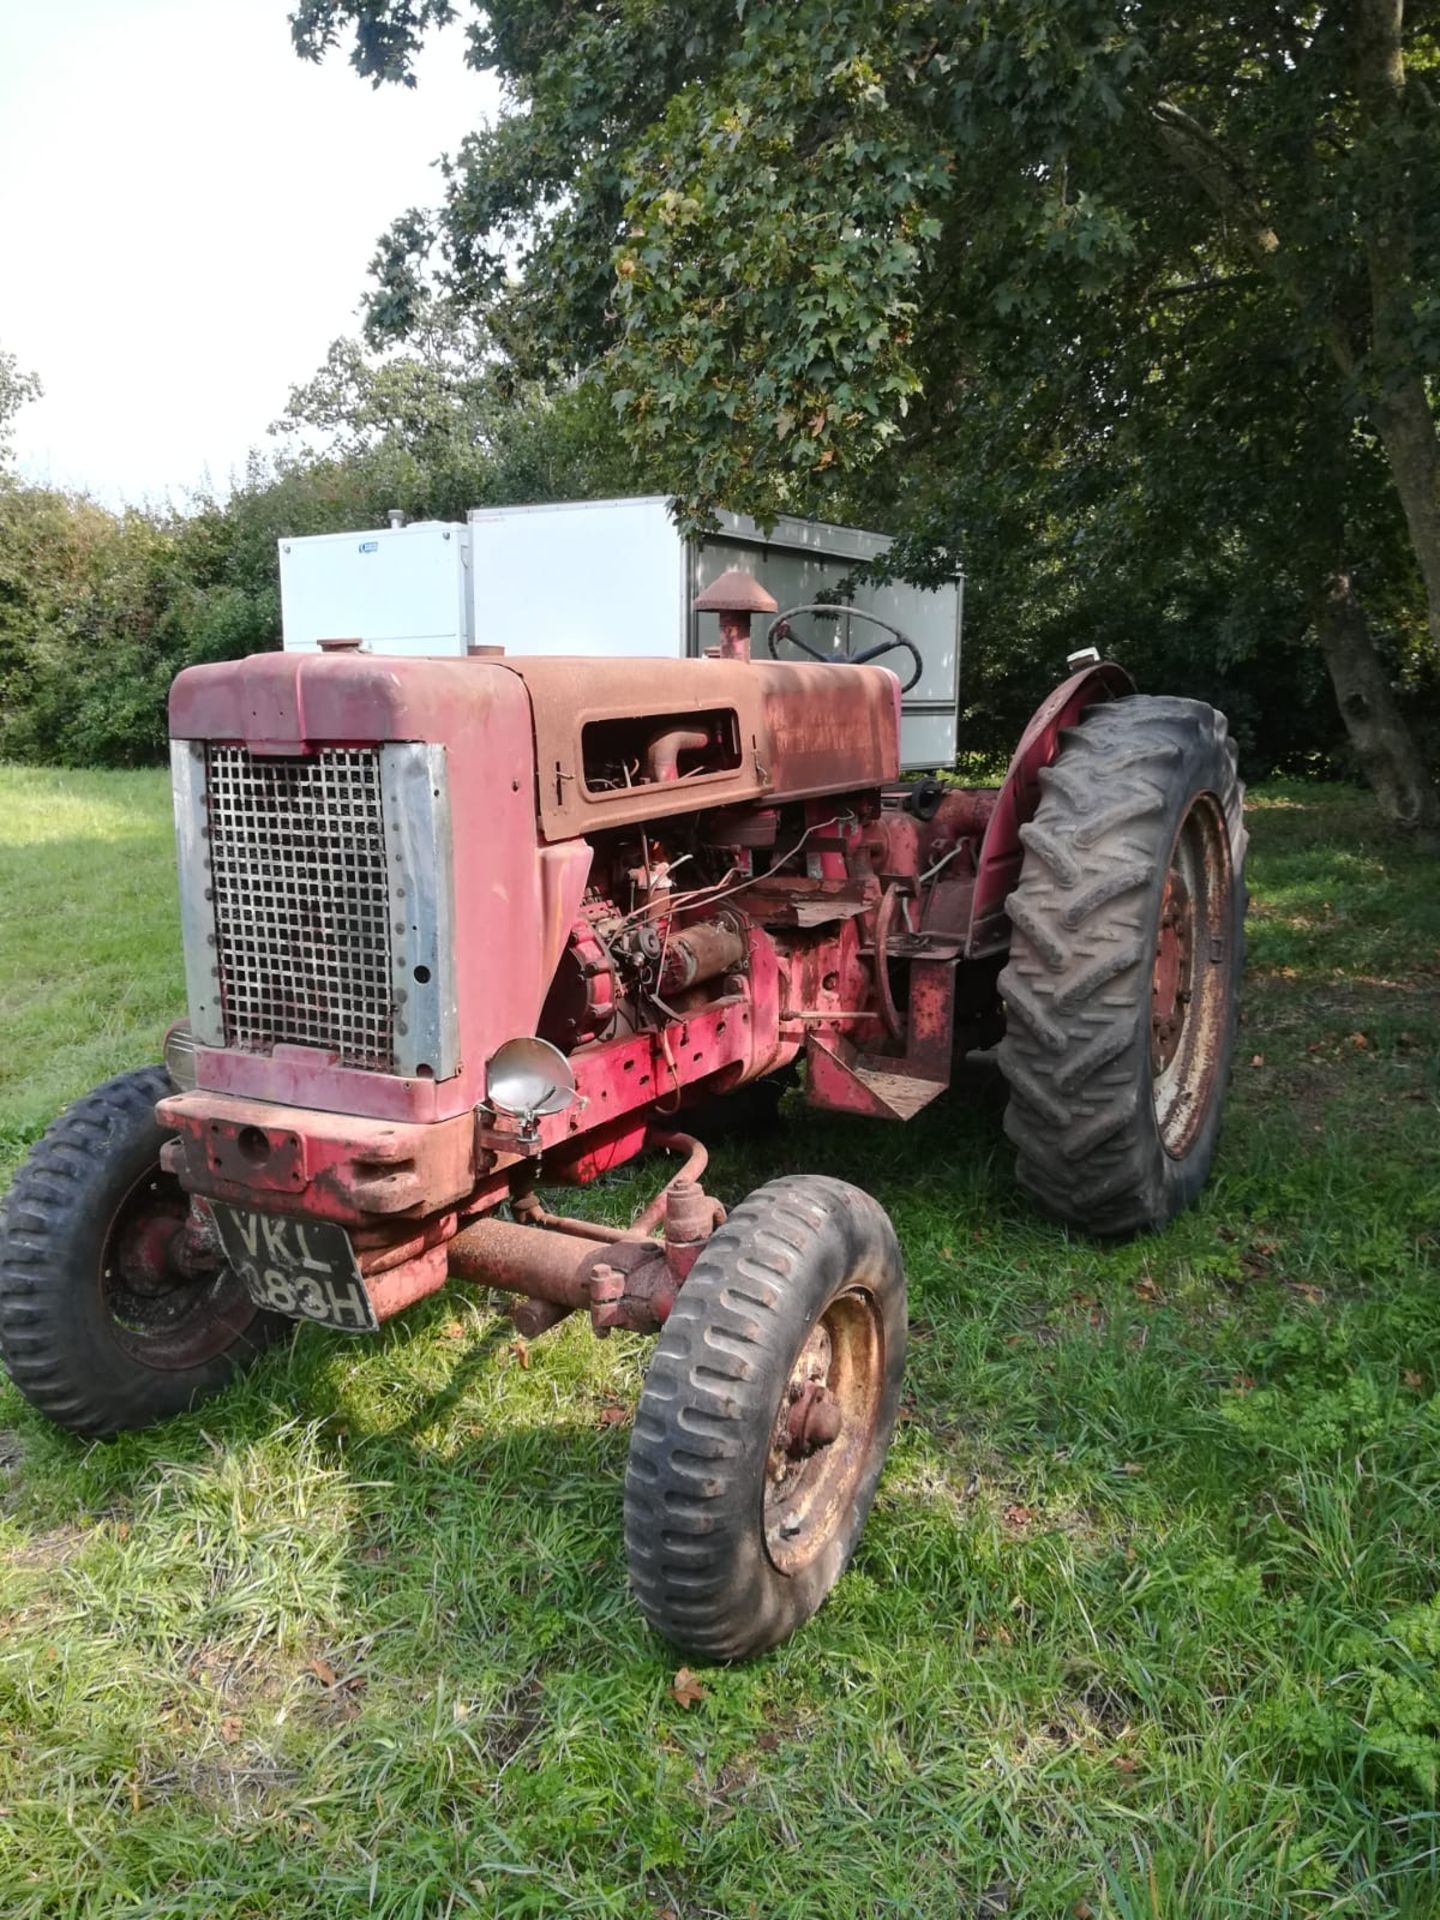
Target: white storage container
598,577
397,589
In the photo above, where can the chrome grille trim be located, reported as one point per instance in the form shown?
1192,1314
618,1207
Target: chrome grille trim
422,910
197,919
300,893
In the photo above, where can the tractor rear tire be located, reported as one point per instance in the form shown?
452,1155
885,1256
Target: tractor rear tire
1122,988
109,1318
765,1418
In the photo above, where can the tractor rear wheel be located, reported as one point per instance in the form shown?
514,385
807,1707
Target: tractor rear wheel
765,1418
115,1311
1127,941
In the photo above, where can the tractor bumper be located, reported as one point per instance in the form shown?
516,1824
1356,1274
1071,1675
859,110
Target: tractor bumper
324,1166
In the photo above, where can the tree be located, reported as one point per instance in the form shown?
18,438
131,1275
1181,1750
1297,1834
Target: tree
452,424
17,389
804,242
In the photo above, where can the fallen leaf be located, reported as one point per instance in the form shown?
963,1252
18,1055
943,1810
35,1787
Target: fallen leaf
1132,1467
231,1728
520,1351
1242,1383
1147,1289
1083,1910
453,1330
1019,1516
322,1670
685,1689
1308,1291
614,1416
1359,1040
1124,1763
1413,1379
122,1530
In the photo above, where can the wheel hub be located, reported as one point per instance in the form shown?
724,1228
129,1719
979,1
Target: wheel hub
821,1435
814,1420
171,1300
1169,982
1191,980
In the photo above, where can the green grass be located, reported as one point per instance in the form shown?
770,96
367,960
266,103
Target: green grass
1144,1621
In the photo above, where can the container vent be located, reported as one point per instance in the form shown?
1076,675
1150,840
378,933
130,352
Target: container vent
301,900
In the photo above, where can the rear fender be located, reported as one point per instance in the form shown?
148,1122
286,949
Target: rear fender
1001,852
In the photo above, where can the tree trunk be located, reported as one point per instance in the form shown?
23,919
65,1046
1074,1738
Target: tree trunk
1382,741
1399,404
1406,427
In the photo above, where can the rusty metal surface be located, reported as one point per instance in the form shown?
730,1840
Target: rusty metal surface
512,908
1170,989
998,868
401,1286
1192,975
803,730
824,1428
735,591
695,1162
516,1259
704,950
329,1166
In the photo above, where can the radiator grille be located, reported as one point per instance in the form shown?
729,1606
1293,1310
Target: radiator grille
301,897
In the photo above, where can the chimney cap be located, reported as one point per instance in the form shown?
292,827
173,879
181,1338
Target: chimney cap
735,592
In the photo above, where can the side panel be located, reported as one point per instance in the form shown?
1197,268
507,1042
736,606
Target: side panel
592,578
801,731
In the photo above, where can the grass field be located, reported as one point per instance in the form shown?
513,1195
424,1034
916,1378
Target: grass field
1144,1622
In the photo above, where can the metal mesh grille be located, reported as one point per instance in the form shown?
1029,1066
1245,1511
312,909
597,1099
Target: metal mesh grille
302,919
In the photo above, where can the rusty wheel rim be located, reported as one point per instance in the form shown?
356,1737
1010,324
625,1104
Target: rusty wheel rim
170,1299
1190,976
824,1429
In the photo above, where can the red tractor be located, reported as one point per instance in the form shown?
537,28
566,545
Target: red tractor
455,926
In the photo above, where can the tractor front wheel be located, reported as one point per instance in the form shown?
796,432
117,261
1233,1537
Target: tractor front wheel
116,1306
765,1418
1127,940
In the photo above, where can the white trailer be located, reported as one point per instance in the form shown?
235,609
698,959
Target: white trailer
614,577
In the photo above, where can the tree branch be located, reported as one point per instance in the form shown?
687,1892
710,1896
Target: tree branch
1211,166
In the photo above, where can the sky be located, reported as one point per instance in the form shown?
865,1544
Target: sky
187,212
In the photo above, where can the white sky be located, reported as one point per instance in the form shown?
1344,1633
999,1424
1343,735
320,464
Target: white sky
187,212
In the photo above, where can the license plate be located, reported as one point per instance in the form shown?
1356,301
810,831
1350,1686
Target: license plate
306,1268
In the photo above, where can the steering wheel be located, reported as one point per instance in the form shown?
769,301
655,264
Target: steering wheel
779,629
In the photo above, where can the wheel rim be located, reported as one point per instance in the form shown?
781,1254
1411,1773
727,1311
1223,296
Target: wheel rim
170,1299
824,1429
1190,977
